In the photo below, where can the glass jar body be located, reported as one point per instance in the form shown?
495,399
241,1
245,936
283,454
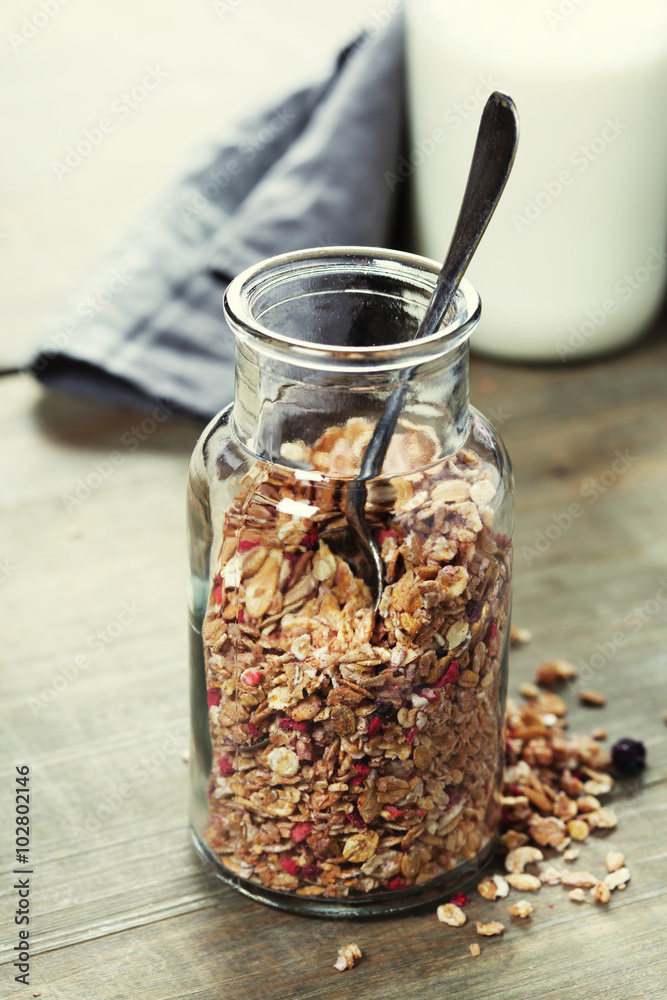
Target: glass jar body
346,762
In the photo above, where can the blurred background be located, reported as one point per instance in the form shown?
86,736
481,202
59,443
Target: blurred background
221,62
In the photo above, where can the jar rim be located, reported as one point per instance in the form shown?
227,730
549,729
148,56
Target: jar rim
420,273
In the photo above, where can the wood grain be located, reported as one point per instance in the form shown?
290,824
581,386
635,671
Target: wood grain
122,908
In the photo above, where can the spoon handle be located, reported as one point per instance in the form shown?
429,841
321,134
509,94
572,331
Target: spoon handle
492,161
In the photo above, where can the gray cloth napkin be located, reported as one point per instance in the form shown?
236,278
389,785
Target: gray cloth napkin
309,172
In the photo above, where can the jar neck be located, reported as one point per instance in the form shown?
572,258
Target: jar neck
281,410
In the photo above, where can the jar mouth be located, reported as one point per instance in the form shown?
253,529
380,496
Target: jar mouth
350,308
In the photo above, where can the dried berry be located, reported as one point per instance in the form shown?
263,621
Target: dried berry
289,724
474,610
452,674
311,872
458,899
226,767
213,697
246,544
290,866
375,725
354,819
385,710
629,756
397,883
300,831
308,541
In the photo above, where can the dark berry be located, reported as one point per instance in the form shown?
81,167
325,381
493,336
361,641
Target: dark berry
385,709
629,756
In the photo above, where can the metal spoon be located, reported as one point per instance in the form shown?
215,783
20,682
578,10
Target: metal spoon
492,161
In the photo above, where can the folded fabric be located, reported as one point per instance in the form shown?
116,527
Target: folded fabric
308,172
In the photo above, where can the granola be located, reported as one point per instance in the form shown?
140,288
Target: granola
356,752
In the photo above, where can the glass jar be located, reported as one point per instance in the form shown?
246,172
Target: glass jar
344,761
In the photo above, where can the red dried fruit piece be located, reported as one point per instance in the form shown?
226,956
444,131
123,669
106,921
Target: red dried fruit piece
458,899
410,735
397,883
251,676
375,725
290,866
300,831
311,872
246,544
355,820
363,770
292,557
226,767
300,727
241,616
253,730
394,811
492,631
213,697
308,541
384,533
217,594
452,675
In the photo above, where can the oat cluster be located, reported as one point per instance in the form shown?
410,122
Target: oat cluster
356,752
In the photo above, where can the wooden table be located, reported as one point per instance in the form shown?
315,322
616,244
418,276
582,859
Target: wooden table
92,562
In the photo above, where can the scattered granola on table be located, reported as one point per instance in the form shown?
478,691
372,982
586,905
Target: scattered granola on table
347,956
354,753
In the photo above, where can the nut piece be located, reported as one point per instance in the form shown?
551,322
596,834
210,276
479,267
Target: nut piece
601,893
617,878
519,636
490,929
577,829
487,888
614,861
347,956
554,671
578,896
475,949
521,909
579,880
524,882
283,761
528,691
451,914
593,698
502,886
517,859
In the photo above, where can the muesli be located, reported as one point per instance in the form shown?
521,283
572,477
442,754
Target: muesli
353,752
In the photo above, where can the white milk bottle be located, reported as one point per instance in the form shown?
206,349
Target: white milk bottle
573,263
